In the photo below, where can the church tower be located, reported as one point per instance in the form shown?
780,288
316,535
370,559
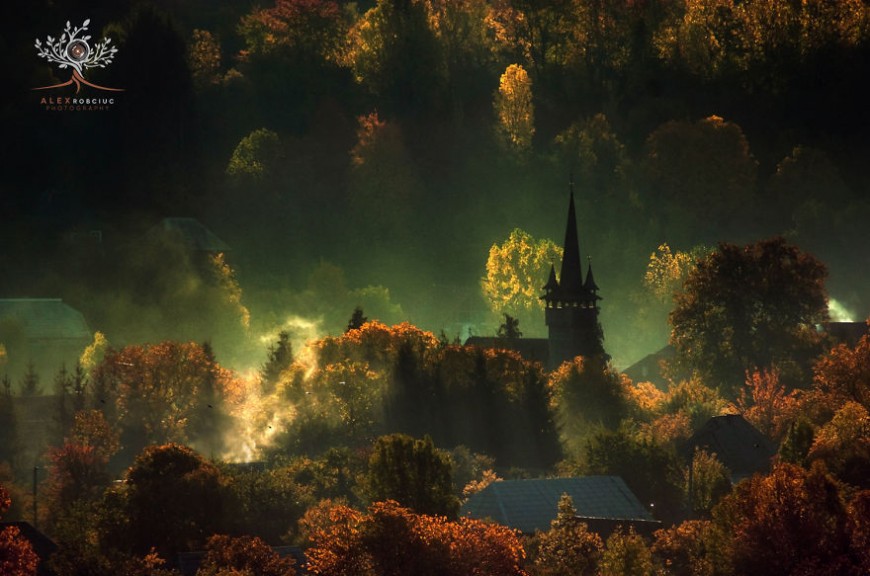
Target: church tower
571,304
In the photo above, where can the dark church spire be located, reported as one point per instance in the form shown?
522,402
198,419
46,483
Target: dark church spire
571,278
571,305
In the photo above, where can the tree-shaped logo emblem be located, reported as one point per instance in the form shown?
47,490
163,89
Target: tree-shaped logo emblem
72,50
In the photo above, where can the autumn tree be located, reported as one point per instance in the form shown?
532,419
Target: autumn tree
204,58
766,405
393,52
687,549
392,540
17,557
652,471
516,270
597,158
745,308
789,522
568,547
840,376
702,173
79,470
157,393
587,394
384,183
626,554
414,473
226,555
171,500
843,444
515,110
266,503
256,157
707,481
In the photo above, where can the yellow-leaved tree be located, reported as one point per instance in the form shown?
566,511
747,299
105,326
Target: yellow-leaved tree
515,272
515,109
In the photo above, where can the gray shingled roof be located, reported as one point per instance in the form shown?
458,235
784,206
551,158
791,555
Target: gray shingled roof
530,505
737,444
45,318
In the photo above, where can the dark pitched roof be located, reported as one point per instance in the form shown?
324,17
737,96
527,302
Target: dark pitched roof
737,444
848,333
533,349
45,318
649,368
530,505
193,233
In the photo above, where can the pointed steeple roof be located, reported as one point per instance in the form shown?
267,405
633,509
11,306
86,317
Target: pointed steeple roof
571,278
590,284
552,284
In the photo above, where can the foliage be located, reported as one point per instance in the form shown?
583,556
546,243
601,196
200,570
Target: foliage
280,358
17,557
515,271
171,500
403,379
766,405
303,28
391,540
393,52
567,547
510,328
29,385
357,319
626,554
843,444
792,521
707,481
684,549
797,443
667,270
413,473
256,156
244,554
747,308
587,393
267,503
651,471
840,376
204,58
78,471
515,110
162,392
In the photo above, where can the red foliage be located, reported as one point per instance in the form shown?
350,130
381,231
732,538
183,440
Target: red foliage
16,554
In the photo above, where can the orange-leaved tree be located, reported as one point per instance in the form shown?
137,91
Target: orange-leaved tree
390,540
17,557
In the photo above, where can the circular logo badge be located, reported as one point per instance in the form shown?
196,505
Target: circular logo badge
78,50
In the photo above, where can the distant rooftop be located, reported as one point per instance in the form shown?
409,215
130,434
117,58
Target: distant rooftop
530,505
737,444
45,318
194,234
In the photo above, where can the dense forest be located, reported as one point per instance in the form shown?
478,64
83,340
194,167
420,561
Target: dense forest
371,154
382,180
